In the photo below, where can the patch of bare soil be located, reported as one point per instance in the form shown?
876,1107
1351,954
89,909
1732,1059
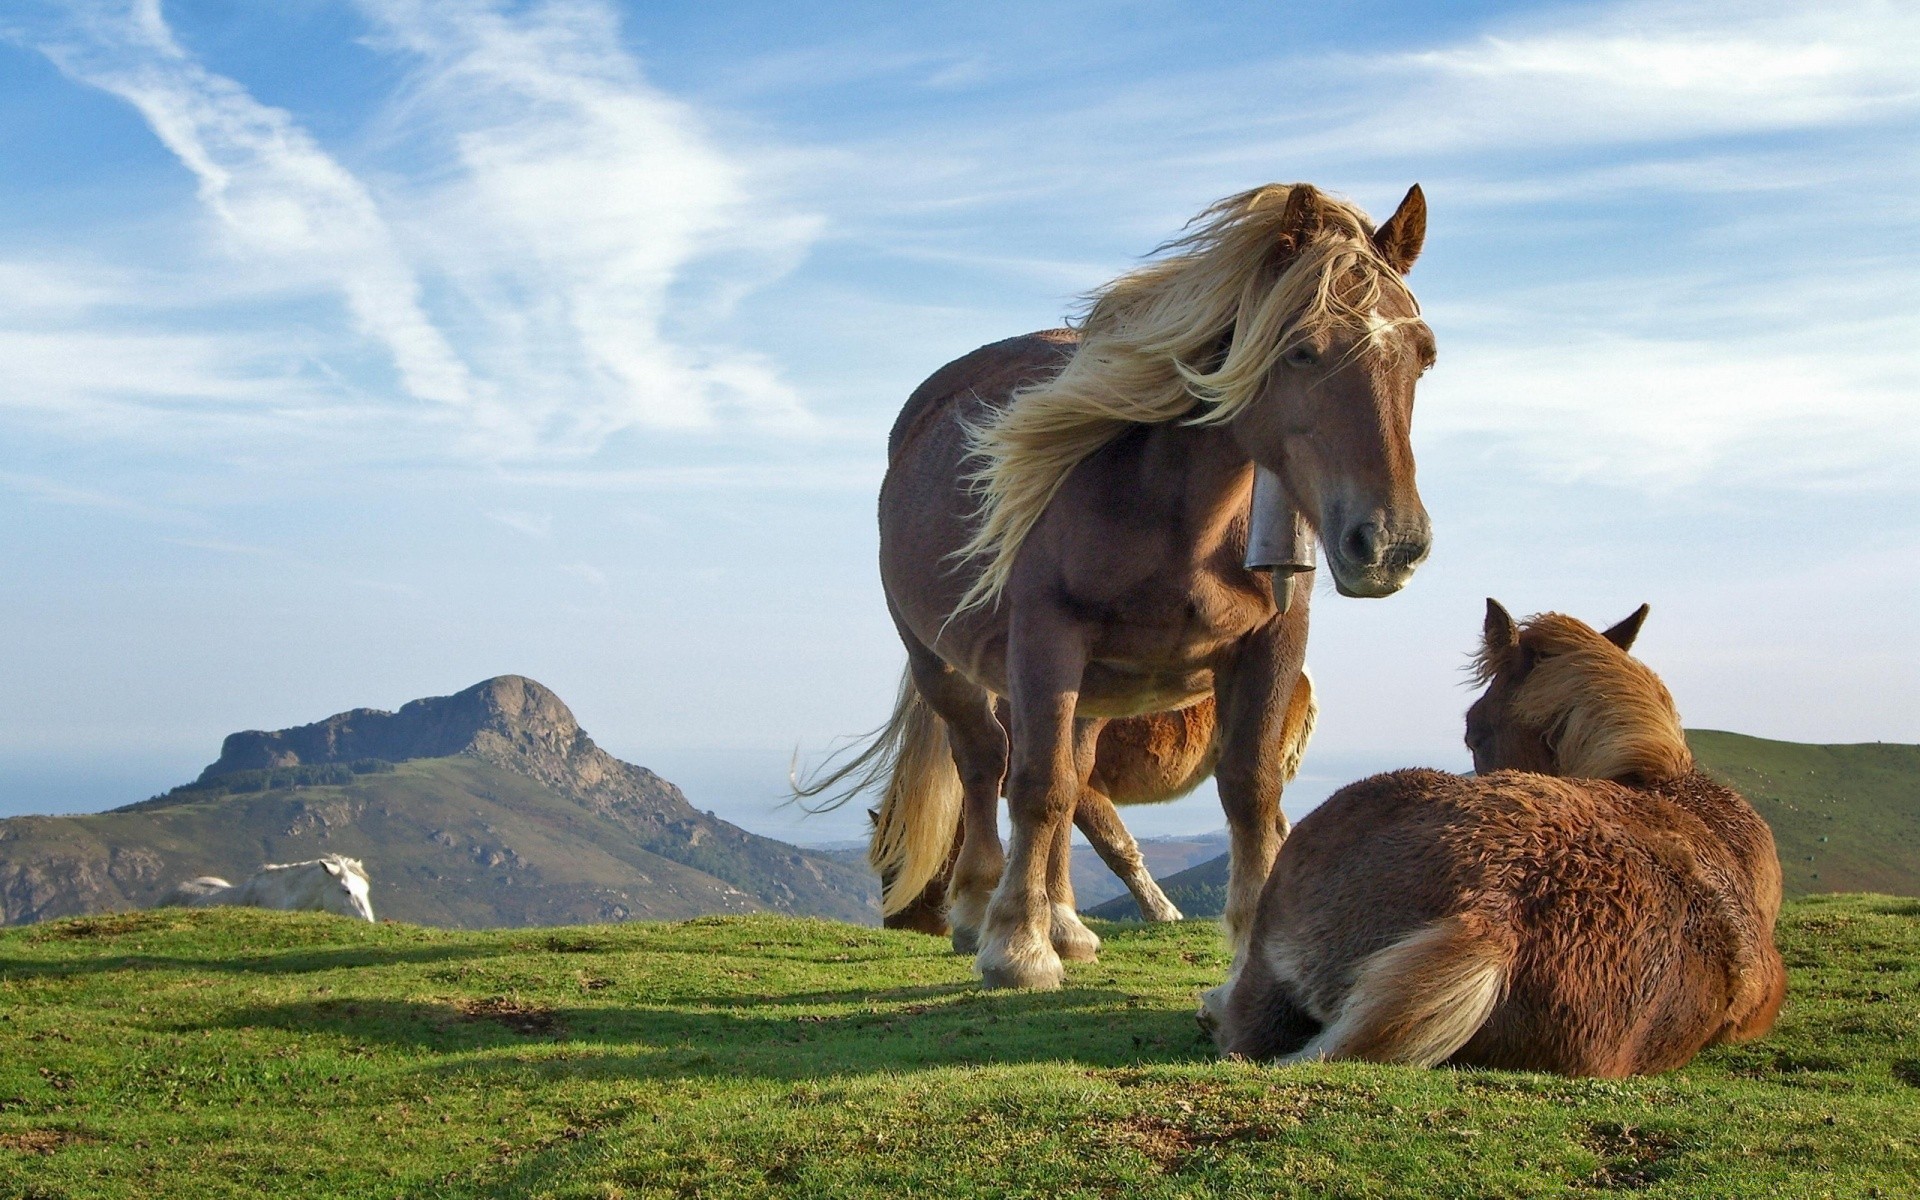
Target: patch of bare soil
532,1020
1169,1141
40,1141
1633,1157
111,925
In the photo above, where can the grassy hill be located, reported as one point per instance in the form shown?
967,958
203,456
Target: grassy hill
1845,818
249,1054
488,808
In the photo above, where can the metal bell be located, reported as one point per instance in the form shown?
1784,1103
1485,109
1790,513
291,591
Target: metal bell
1278,537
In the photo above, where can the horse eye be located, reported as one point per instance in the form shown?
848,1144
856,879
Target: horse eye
1301,356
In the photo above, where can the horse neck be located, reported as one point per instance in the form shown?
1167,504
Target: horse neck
1212,475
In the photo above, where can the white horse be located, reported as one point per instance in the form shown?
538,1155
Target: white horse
329,883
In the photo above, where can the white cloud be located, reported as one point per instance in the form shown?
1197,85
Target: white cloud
604,200
552,263
1648,72
93,377
1658,414
534,525
276,193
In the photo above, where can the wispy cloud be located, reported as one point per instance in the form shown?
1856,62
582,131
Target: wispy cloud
552,264
1657,415
534,525
580,185
53,491
277,195
1644,71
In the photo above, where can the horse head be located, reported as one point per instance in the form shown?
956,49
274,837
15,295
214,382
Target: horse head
344,890
1564,699
1336,345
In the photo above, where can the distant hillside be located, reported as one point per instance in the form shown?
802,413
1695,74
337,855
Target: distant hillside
491,807
1845,818
1093,883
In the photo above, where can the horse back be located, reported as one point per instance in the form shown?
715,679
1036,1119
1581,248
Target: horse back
990,374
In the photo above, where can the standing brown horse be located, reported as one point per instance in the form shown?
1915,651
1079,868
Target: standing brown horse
1589,904
1064,523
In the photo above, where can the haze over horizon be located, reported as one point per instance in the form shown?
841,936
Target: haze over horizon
353,351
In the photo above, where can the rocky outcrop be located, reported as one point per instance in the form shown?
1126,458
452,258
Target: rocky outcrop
507,718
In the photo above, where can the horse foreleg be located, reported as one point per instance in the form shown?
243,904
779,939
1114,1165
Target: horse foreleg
1263,712
1072,940
1107,834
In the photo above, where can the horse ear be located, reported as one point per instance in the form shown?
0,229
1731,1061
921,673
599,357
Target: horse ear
1400,239
333,868
1302,217
1622,635
1500,631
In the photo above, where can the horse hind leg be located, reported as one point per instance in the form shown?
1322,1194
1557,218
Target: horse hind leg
978,745
1107,834
1072,940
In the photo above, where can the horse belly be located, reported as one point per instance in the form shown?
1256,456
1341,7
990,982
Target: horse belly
1118,689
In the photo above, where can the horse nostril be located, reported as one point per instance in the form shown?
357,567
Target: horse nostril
1363,543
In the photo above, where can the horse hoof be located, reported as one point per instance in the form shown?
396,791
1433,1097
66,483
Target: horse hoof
966,941
1071,939
1166,914
1039,970
1208,1017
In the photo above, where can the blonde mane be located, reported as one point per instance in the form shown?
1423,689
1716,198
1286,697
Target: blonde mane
1150,351
1604,713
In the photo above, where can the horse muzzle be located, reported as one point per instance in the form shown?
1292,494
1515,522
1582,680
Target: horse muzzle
1371,559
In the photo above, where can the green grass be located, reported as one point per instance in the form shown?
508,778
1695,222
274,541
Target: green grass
244,1053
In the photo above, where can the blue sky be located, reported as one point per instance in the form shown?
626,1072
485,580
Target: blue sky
357,351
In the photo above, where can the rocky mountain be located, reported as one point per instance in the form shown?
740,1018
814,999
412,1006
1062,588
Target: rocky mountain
490,807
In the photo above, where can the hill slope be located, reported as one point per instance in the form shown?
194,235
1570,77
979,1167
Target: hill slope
490,807
1845,818
250,1054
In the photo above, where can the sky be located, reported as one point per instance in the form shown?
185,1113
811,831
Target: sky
358,350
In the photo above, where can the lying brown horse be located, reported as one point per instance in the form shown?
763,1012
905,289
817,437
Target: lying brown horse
1590,903
1064,523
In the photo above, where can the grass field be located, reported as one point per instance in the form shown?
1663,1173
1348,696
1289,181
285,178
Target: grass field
241,1053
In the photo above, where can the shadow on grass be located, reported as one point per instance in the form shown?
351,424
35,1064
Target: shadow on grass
893,1029
296,961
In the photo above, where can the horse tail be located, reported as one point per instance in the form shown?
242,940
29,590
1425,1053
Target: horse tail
203,892
1421,999
1303,712
919,812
